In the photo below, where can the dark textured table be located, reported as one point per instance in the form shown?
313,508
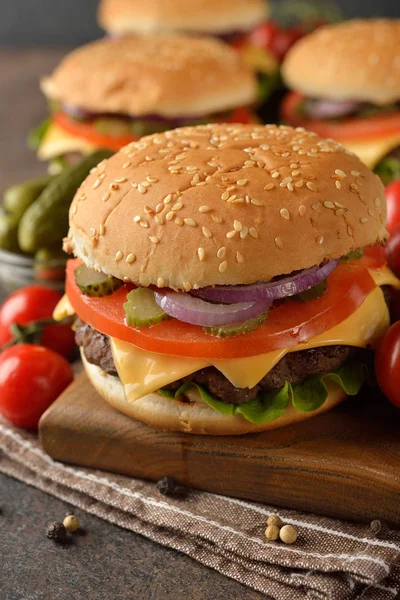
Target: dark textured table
106,563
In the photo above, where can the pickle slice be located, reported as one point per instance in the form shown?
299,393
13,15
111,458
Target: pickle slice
141,309
95,284
237,328
313,293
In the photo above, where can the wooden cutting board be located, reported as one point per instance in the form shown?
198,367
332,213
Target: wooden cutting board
345,463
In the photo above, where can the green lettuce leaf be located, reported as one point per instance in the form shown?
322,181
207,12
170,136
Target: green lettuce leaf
388,169
36,136
307,396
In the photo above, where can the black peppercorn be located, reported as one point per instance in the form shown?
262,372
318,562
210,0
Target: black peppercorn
169,487
56,531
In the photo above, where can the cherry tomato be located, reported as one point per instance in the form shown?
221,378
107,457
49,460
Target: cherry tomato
269,35
393,205
283,41
387,364
393,250
31,378
35,303
264,35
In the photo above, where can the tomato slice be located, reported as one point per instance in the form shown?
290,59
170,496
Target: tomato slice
353,128
242,115
290,323
374,257
85,129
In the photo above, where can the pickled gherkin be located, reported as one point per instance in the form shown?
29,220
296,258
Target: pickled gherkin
94,283
141,309
225,331
45,222
9,233
18,198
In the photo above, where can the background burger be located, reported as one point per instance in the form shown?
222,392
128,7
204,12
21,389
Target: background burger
231,21
346,82
228,278
111,92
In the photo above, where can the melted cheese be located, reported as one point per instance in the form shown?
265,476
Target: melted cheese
58,142
371,151
143,372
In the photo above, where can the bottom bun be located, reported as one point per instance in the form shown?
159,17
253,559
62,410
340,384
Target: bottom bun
194,416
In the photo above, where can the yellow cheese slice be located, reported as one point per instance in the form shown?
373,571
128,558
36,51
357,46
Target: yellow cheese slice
63,309
385,276
371,151
58,142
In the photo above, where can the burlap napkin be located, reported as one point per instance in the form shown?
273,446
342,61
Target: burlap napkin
331,559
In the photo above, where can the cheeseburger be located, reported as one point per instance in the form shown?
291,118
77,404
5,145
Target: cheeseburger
111,92
233,21
227,278
346,82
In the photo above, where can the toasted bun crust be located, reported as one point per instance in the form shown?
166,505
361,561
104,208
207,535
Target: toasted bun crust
154,16
224,204
196,416
170,76
354,60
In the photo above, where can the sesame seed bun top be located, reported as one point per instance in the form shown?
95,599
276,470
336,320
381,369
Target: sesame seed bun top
355,60
224,204
203,16
170,76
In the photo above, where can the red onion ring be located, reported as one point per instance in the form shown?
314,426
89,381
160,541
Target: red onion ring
274,290
198,312
329,109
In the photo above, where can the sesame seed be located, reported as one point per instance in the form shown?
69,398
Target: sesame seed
201,253
275,174
299,183
244,232
127,164
293,165
221,252
295,173
316,205
256,202
290,187
253,233
130,258
206,232
311,186
154,239
160,282
278,242
170,216
355,173
249,163
118,256
167,199
142,189
144,224
239,257
102,229
269,186
340,212
339,205
340,173
134,185
241,181
225,195
329,204
152,179
159,207
114,187
359,181
363,220
121,180
338,184
349,230
223,267
237,226
371,212
159,220
178,221
231,198
284,213
320,239
231,234
82,196
191,222
377,202
216,218
74,209
137,219
177,206
302,210
97,184
106,197
195,179
146,184
204,209
148,210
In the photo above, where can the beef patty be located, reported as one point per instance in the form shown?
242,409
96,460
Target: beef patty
294,367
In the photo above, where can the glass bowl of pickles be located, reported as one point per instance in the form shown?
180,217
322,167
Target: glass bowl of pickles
18,268
33,223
